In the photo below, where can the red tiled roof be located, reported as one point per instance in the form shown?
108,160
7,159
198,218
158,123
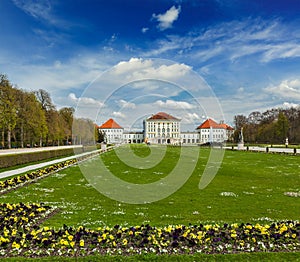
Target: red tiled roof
225,126
110,123
162,115
209,123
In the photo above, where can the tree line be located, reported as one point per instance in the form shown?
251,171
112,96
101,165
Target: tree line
29,119
272,126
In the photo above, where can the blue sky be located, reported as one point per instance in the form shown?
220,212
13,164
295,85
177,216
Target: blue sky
247,51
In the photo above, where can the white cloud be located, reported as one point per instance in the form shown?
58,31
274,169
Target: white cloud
286,89
283,50
119,115
37,9
126,104
167,19
84,101
137,68
241,89
144,30
171,104
40,10
289,105
191,118
268,39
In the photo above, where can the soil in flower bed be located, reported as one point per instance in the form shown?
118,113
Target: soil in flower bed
20,234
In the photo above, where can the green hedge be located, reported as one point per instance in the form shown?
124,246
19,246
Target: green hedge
20,159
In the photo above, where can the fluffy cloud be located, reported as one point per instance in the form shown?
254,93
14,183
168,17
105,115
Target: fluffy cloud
167,19
286,89
84,101
289,105
171,104
126,104
137,68
119,115
192,118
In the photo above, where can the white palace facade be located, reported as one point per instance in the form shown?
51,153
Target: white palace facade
163,128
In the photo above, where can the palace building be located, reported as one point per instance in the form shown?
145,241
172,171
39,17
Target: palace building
163,128
113,131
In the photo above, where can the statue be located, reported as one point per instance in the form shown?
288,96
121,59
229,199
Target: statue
241,140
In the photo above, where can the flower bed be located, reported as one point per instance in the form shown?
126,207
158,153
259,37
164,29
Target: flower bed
22,180
18,181
20,234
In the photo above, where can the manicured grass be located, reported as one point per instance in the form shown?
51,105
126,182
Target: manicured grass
249,187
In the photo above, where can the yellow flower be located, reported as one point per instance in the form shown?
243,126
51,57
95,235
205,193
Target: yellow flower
14,232
15,245
283,229
294,236
70,237
81,243
125,241
193,236
207,239
4,240
64,242
235,225
207,227
168,229
264,231
72,243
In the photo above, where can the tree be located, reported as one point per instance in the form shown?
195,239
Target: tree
99,135
281,128
44,98
67,115
31,120
239,122
83,131
52,118
8,109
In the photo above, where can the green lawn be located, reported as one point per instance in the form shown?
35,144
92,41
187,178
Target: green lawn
249,187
